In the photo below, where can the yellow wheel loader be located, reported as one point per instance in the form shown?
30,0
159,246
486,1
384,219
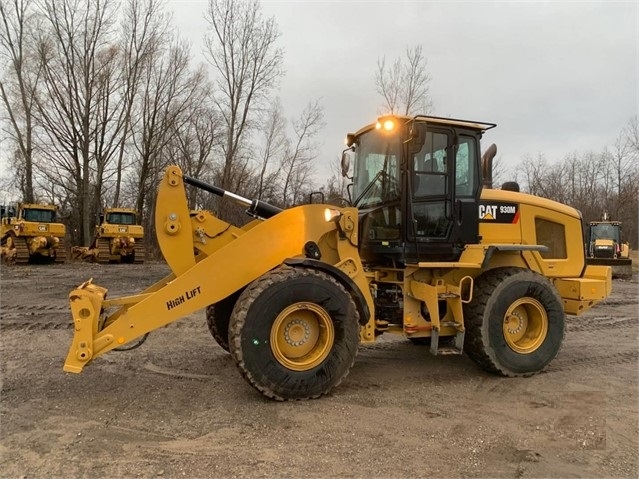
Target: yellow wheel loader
605,246
119,238
428,250
32,235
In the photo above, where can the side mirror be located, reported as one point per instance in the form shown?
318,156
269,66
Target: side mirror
416,137
346,162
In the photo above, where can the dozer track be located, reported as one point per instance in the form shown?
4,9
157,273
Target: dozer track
139,253
22,250
104,253
60,253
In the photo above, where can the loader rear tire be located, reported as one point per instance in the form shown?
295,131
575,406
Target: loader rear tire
515,324
218,316
294,333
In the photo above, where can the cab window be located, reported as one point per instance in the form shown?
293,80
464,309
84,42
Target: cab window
465,174
430,166
42,216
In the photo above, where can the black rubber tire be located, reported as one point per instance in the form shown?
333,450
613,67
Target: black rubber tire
256,313
218,316
485,341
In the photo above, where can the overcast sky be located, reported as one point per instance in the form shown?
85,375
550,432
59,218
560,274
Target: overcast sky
556,77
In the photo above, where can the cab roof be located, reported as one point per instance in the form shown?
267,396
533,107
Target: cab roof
120,210
441,121
37,206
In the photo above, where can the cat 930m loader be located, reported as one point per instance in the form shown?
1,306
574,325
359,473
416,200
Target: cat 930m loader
428,250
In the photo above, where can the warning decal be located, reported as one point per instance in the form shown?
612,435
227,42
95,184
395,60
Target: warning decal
498,212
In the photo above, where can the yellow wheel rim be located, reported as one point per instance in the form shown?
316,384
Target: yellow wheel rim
302,336
525,325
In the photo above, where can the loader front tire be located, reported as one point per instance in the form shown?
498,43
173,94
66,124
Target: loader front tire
294,333
515,323
218,316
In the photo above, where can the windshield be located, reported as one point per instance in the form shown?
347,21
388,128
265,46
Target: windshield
604,231
121,218
42,216
376,170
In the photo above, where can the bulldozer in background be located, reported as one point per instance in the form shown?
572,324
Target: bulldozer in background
428,250
30,234
605,246
119,238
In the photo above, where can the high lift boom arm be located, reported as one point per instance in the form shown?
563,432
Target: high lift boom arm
210,260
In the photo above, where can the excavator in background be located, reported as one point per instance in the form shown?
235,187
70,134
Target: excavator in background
605,246
426,249
31,234
119,238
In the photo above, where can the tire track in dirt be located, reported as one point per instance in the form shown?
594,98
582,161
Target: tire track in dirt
601,322
34,326
564,363
30,318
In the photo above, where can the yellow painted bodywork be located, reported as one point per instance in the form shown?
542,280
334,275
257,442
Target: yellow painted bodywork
223,259
121,238
524,232
580,286
42,237
211,259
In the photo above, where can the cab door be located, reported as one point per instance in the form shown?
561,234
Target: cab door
443,193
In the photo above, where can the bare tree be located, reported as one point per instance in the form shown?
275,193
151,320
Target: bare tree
592,182
627,164
241,47
274,146
194,142
405,84
75,109
18,85
335,189
297,164
170,91
145,32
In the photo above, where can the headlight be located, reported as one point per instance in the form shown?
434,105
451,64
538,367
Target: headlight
331,214
386,125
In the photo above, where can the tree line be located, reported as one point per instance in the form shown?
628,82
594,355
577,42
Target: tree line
593,182
100,96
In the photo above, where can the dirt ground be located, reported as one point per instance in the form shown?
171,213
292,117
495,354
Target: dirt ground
178,407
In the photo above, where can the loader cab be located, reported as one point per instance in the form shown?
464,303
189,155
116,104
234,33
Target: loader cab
416,182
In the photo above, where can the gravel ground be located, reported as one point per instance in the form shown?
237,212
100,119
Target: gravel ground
178,407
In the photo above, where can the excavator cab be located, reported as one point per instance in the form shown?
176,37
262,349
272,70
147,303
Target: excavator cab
416,183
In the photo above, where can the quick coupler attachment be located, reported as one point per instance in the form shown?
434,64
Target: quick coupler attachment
86,303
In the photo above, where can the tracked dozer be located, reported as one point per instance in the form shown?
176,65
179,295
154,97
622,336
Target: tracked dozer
428,250
119,238
31,234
